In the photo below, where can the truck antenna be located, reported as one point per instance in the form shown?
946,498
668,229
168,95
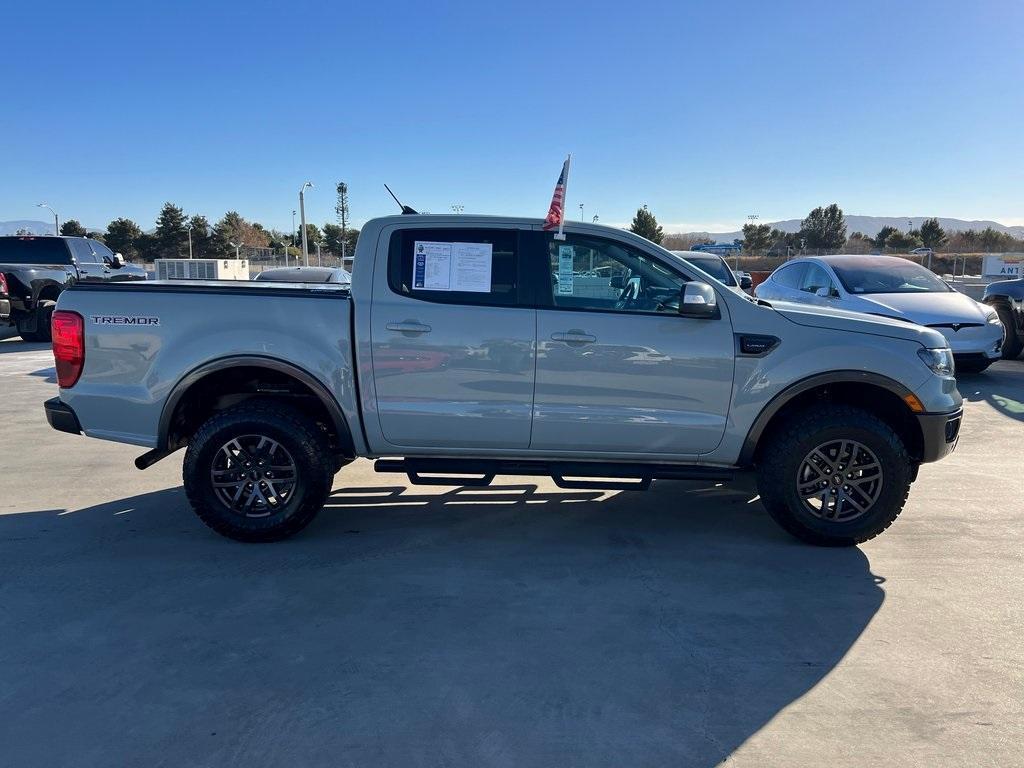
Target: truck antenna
405,208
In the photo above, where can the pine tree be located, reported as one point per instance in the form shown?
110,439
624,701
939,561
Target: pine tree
72,228
645,225
932,234
170,239
123,237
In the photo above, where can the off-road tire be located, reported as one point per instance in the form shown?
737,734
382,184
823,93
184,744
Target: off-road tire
306,446
1012,342
784,450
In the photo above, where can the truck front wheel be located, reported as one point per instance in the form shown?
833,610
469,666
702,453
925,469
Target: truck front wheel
259,471
834,475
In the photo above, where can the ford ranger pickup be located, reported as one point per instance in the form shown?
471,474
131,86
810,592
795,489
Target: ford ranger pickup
470,346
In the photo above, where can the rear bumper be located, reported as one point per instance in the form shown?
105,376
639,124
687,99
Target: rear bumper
61,417
940,431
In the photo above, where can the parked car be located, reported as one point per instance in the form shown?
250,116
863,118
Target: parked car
889,286
34,271
454,353
717,267
305,275
1006,297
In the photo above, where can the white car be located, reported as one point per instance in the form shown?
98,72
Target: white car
889,286
717,267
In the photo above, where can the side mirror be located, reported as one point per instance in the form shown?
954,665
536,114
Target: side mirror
119,260
746,283
698,299
616,282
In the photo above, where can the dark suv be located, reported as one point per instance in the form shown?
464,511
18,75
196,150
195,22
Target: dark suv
34,270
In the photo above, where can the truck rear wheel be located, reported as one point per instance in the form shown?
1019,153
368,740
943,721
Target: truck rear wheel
834,475
42,316
259,471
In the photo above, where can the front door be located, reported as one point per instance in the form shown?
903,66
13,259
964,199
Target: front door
618,369
453,354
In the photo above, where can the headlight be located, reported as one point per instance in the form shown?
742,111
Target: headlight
940,361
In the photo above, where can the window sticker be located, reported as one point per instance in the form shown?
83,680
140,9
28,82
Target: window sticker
452,266
566,276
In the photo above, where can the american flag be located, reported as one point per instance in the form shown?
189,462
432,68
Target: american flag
557,209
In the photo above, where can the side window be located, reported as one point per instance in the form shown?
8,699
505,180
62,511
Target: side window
81,251
455,266
815,278
598,274
791,275
104,253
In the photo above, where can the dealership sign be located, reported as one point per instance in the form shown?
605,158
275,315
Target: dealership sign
1004,265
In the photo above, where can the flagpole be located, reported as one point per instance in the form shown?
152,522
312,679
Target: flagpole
565,198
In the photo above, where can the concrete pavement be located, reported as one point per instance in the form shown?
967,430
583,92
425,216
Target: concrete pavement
511,626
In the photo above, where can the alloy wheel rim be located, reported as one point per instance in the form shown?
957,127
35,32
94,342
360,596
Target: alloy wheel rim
839,480
253,475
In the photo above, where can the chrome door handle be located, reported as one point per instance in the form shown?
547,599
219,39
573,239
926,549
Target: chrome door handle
409,326
574,336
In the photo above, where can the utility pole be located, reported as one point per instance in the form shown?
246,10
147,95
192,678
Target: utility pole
56,221
190,240
318,253
302,221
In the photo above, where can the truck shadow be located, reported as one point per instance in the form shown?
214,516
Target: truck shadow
1001,386
475,626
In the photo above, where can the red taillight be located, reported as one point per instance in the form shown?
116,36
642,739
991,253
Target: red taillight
68,333
3,283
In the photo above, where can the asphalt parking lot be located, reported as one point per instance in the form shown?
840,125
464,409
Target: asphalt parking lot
517,625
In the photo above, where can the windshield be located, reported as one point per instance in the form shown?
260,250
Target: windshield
33,250
715,267
891,275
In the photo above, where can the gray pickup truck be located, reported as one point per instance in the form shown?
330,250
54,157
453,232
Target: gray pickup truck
468,347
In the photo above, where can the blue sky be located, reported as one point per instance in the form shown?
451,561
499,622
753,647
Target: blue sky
706,112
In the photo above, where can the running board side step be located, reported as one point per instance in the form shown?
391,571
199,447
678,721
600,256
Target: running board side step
600,475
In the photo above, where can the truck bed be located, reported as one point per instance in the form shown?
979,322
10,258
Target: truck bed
143,339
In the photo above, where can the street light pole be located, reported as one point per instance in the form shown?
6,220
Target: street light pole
190,241
56,221
318,254
302,221
581,211
236,246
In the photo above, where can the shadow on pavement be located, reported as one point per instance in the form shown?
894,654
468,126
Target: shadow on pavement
498,626
1001,386
15,344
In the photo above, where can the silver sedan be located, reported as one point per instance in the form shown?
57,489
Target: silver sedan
897,288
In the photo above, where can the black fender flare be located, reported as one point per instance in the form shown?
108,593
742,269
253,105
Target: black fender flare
254,361
798,388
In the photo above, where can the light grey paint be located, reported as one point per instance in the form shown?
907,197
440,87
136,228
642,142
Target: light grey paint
661,388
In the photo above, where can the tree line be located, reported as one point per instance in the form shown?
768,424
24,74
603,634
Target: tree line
824,230
170,238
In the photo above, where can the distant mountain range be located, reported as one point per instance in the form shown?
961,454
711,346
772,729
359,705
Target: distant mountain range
869,226
35,227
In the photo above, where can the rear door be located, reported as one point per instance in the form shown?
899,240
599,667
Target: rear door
452,353
618,369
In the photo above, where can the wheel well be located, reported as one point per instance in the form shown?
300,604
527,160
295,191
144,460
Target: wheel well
875,399
49,293
226,387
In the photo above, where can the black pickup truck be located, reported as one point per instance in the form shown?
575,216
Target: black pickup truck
1007,298
34,271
